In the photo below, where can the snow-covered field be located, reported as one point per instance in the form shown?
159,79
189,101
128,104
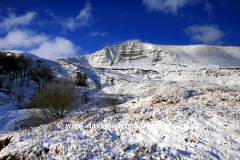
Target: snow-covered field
171,107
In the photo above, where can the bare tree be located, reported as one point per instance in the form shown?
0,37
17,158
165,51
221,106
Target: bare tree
23,66
9,87
81,79
3,70
20,98
41,74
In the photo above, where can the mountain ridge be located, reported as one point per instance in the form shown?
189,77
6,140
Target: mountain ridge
138,53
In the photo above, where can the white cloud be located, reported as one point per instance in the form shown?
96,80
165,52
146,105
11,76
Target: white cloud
81,20
56,48
12,20
208,8
22,39
207,34
165,6
39,44
96,33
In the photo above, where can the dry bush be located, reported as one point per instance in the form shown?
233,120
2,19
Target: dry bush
214,89
191,140
112,102
20,98
151,90
5,142
12,157
159,99
55,101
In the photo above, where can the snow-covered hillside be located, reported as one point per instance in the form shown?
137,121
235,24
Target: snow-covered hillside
175,102
139,54
204,63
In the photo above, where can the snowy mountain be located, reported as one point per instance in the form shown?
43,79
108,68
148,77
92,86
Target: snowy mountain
149,62
175,102
139,54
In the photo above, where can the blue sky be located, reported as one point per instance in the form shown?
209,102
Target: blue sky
66,28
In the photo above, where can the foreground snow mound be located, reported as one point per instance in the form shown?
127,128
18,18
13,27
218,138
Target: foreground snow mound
169,120
138,54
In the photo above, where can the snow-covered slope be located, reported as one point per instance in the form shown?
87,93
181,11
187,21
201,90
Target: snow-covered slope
210,55
176,102
18,53
138,54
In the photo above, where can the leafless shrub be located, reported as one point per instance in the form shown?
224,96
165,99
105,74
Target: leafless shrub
214,89
5,142
83,97
20,98
158,99
14,157
191,140
150,91
55,101
112,102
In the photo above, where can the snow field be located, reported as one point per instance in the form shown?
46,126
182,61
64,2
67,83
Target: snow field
168,120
